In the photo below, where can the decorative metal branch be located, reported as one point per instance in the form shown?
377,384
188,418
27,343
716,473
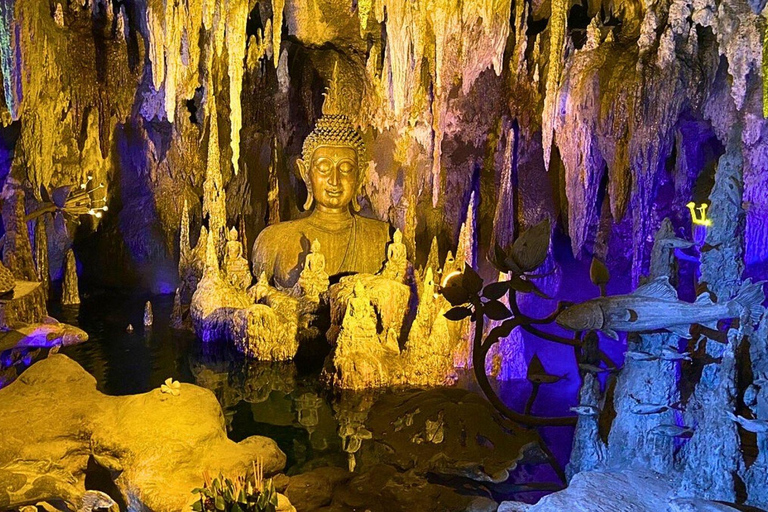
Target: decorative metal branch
470,299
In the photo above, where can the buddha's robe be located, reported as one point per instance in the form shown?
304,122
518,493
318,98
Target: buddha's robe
350,244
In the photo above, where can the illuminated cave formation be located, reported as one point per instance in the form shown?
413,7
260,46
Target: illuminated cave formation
447,255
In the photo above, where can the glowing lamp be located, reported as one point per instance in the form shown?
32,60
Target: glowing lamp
699,214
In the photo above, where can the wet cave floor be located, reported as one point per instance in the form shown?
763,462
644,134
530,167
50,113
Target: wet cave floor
289,403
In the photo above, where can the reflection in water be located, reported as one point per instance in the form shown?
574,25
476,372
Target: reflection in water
438,432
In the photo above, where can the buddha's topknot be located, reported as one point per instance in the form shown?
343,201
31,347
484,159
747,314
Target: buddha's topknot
334,128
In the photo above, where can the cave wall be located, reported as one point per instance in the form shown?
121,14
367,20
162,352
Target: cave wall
606,117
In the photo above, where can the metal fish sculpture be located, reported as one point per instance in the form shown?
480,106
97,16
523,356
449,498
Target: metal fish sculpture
639,355
592,368
655,305
672,354
672,431
756,426
585,410
643,408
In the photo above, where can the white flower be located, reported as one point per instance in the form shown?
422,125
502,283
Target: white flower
172,387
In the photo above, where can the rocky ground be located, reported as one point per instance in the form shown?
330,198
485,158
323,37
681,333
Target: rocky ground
155,446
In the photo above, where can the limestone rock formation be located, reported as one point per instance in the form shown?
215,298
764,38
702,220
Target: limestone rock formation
215,300
262,332
157,445
70,293
7,281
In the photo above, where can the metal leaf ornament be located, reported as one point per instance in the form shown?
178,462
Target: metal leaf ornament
526,253
599,275
538,375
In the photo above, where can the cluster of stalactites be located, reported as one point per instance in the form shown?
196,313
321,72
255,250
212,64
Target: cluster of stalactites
459,41
173,30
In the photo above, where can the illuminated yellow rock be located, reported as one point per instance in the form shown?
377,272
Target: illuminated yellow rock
157,444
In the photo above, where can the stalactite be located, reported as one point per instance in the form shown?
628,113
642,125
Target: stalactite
237,17
70,294
208,10
154,21
174,16
214,201
9,70
557,23
503,233
765,74
364,8
277,29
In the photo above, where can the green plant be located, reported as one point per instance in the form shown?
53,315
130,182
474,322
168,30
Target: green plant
222,494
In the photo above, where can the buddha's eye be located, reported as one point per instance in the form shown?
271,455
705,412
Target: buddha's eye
323,165
346,167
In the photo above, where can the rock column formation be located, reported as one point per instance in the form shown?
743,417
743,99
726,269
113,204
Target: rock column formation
647,383
715,444
70,294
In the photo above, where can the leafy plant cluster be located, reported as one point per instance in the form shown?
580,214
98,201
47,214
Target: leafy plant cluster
221,494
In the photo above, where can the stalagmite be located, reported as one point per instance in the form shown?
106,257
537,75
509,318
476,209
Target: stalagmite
465,254
177,313
41,254
466,250
121,30
273,193
149,317
214,202
184,245
70,294
237,17
557,22
715,443
17,249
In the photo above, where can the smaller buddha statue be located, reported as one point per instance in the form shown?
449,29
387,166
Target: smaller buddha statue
235,265
314,280
397,260
359,325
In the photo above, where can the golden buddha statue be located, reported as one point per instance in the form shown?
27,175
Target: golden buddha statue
332,166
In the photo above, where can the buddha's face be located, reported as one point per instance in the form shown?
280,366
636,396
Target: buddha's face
333,176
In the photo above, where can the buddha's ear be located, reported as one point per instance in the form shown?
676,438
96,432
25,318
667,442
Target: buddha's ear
302,168
303,172
355,200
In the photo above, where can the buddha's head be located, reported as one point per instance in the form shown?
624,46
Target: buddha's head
331,165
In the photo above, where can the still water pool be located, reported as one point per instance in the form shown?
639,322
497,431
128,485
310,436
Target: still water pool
287,402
